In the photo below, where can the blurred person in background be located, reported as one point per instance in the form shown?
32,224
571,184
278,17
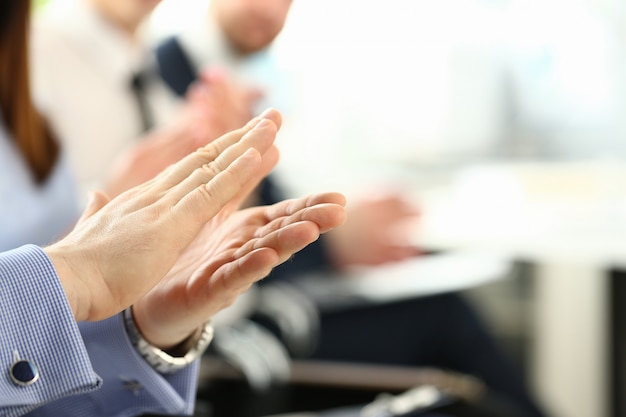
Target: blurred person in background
442,330
81,46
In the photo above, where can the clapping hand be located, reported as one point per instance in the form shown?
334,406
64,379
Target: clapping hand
121,249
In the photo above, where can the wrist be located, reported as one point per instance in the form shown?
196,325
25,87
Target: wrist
175,358
186,345
74,291
161,328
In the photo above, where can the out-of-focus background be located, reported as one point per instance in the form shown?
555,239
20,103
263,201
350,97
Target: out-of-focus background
505,120
410,85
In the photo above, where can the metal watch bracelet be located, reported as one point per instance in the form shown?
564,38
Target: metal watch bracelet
160,360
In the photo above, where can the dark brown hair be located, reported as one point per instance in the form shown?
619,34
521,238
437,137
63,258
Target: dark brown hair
25,124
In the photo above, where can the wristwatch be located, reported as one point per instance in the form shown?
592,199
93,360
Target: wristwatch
169,362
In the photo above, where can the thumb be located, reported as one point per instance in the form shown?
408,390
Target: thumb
95,201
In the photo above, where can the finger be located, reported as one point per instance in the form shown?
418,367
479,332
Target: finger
292,236
207,154
206,200
270,159
274,115
260,138
255,264
287,240
324,216
179,171
239,274
289,207
219,289
327,210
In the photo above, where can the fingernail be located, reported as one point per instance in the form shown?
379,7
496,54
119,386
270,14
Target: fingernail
263,123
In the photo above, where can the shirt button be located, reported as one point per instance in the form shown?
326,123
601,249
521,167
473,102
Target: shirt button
23,373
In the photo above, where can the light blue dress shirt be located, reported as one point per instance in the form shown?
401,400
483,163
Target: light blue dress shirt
88,369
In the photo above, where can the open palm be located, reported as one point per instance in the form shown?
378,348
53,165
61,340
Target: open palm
231,253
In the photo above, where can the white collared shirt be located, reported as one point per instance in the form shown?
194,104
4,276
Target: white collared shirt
82,67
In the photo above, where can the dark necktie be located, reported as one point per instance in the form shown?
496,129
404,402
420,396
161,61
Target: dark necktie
175,66
139,85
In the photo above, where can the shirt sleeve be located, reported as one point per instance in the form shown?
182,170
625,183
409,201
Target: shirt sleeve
87,369
131,386
37,325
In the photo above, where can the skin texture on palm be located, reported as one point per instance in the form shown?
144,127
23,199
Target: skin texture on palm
230,255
